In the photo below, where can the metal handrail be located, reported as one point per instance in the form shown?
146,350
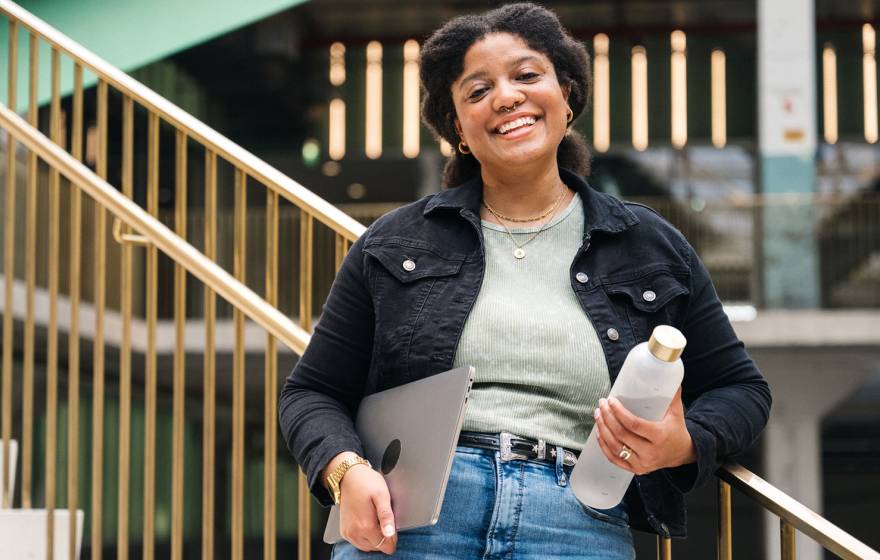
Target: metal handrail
163,238
795,514
286,187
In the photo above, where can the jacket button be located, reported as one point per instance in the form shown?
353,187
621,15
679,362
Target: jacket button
649,295
582,277
612,334
409,265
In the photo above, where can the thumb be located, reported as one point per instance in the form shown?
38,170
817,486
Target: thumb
385,515
676,408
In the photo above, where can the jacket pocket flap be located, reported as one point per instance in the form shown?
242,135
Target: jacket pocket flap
408,264
651,292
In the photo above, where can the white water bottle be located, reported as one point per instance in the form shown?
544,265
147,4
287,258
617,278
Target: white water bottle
648,379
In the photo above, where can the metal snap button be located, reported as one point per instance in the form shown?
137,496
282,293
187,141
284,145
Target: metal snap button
649,295
582,277
409,265
612,334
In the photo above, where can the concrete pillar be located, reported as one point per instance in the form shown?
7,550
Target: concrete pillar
807,385
787,145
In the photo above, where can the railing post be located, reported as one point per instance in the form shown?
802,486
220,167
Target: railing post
787,534
725,541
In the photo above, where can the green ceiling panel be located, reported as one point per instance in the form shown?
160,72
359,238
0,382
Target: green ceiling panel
129,33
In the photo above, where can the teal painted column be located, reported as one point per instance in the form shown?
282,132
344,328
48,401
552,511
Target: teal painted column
789,259
787,147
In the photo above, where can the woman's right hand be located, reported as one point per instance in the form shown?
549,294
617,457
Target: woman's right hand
365,516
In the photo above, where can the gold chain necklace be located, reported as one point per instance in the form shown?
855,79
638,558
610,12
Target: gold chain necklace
498,214
519,252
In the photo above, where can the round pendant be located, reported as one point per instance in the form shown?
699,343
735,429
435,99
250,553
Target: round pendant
519,252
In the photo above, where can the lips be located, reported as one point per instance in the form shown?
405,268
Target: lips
516,124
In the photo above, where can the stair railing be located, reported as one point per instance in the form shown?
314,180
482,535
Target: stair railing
320,225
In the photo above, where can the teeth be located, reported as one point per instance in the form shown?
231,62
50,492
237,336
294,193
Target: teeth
522,121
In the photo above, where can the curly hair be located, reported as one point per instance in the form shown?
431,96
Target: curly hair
442,62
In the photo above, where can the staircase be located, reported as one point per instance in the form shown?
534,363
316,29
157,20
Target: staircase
119,480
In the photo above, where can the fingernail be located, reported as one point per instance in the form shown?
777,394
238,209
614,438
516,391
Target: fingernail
596,414
388,530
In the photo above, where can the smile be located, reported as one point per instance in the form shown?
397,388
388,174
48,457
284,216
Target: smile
521,122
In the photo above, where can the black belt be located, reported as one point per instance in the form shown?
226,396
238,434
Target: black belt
515,447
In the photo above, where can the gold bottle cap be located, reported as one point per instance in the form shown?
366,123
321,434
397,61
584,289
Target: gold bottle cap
666,343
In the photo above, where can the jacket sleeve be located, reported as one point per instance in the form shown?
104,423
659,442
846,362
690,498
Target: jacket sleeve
320,397
727,400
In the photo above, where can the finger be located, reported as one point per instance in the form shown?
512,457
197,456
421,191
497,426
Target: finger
639,427
613,445
623,434
614,458
676,407
384,514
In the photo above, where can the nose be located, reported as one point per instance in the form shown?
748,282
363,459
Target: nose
507,95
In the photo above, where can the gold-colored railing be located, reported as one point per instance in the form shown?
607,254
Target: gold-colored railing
132,266
136,227
793,517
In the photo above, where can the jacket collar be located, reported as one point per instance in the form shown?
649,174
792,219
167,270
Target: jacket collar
602,212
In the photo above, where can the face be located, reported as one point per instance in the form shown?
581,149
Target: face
501,72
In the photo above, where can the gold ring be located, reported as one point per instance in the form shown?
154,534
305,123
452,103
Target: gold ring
625,453
380,543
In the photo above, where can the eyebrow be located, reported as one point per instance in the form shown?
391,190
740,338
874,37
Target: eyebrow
481,73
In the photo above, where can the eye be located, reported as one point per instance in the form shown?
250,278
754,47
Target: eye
477,93
528,76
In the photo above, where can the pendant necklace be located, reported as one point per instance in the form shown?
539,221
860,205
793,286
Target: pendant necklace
519,252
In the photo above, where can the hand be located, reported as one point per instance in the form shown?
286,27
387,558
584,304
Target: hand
654,445
365,516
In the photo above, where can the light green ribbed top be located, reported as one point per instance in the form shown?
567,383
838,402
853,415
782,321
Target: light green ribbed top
540,368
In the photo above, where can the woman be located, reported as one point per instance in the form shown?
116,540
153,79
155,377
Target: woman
543,285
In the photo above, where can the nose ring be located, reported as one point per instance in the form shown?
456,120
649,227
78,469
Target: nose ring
511,108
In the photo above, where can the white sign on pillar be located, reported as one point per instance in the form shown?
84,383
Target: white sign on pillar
786,80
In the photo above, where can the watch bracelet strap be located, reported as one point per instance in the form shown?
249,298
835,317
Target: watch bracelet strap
335,477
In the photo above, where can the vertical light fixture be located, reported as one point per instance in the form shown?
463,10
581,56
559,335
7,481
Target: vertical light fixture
445,148
869,81
639,98
373,140
678,66
719,98
336,136
411,126
336,145
829,93
601,94
337,64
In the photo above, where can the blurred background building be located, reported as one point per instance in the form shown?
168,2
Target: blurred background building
751,125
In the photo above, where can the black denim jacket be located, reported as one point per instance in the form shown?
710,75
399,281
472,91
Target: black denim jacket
384,325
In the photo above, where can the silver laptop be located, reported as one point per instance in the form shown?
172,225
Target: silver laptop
409,434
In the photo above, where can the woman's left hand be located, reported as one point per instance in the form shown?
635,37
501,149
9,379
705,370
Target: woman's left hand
653,445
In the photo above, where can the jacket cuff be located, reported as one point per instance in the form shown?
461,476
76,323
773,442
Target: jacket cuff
693,475
321,456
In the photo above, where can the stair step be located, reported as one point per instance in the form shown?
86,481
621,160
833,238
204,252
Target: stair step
23,533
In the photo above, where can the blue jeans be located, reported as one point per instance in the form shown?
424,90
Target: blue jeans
517,510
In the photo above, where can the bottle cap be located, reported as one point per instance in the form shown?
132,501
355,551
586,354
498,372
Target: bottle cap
666,343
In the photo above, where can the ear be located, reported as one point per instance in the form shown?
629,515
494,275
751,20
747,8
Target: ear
457,125
566,91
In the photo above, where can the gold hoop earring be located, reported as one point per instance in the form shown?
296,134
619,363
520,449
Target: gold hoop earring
463,148
570,115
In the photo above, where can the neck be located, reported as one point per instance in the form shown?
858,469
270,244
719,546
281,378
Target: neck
522,194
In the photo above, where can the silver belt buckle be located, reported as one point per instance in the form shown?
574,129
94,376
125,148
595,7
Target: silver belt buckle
506,448
568,458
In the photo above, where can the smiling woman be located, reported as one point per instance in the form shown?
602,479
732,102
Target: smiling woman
543,285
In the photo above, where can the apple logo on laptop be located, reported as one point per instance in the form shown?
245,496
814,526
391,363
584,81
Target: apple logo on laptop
391,456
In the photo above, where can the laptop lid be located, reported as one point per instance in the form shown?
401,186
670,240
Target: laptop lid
409,434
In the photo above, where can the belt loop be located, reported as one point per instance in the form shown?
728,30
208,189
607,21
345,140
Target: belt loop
561,477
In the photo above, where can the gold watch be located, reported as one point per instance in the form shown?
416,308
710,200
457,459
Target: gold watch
334,479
